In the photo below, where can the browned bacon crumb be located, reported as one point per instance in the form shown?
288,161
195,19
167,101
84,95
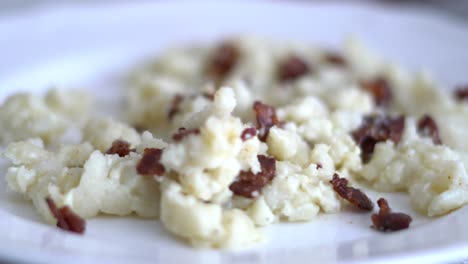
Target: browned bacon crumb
292,68
223,60
380,90
249,185
376,129
428,127
461,93
149,164
138,127
335,59
175,106
355,196
385,220
66,218
318,166
183,132
209,96
266,118
248,133
120,147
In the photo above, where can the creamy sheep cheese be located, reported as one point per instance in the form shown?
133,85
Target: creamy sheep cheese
25,115
87,180
241,135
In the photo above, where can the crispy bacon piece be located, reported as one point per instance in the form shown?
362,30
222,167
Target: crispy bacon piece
140,128
335,59
120,147
376,129
223,60
428,128
461,93
66,218
385,220
175,106
183,132
355,196
380,90
209,96
248,133
149,164
292,68
266,118
250,185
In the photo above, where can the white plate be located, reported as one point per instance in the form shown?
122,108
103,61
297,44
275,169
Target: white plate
92,45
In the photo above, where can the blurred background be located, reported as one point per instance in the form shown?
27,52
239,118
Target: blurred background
455,7
458,8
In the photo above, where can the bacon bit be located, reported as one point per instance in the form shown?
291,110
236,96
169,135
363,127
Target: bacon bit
223,60
428,128
292,68
249,184
140,128
335,59
376,129
120,147
266,118
183,132
352,195
149,164
385,220
461,93
248,133
209,96
318,166
66,218
380,90
175,106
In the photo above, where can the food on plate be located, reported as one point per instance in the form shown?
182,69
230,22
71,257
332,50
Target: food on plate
461,93
244,134
25,115
352,195
387,220
66,218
